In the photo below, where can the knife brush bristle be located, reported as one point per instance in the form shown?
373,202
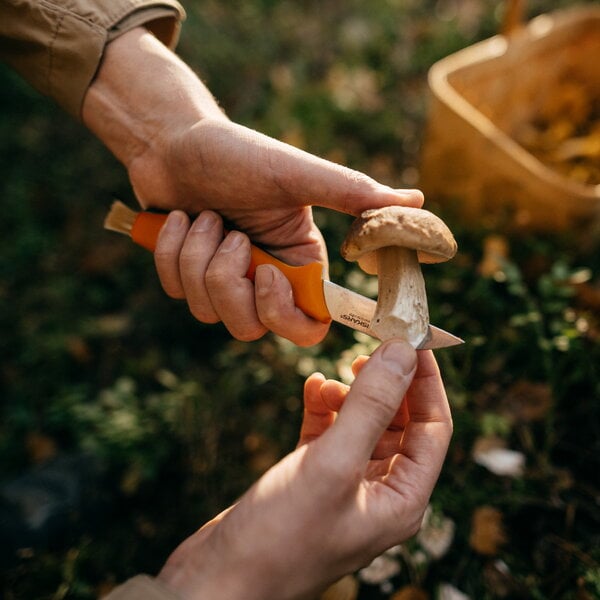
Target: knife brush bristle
120,218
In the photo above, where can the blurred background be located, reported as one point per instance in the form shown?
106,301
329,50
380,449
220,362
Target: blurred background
125,424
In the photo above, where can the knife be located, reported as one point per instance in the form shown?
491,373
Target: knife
316,297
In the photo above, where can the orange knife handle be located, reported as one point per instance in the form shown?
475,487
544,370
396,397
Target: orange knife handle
306,280
145,229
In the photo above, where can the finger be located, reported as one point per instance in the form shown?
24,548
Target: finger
198,249
231,292
373,400
276,309
358,363
333,394
313,398
311,180
426,396
166,255
388,444
349,191
317,417
429,429
401,417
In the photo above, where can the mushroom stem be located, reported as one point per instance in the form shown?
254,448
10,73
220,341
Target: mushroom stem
402,302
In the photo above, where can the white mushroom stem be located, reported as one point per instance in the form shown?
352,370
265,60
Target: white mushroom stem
402,302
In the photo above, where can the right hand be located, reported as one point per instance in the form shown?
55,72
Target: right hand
183,154
265,188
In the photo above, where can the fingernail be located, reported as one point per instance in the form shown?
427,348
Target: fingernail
232,241
400,357
263,280
205,221
415,195
175,221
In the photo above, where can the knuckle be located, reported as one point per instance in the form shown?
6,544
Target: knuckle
189,258
176,293
215,275
248,334
202,314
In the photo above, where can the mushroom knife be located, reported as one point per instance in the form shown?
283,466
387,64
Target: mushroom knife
317,297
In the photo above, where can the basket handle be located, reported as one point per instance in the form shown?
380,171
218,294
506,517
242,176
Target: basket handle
513,17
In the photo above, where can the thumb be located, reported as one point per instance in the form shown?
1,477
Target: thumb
373,400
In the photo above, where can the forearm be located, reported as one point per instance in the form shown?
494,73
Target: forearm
143,93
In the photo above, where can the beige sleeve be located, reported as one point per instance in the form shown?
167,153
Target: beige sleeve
142,587
57,45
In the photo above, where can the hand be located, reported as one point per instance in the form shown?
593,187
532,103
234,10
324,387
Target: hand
181,152
355,486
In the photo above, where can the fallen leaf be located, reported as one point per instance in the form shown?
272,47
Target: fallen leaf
449,592
344,589
436,534
527,401
495,253
104,588
491,453
131,479
588,295
499,580
487,531
410,592
79,349
40,447
381,569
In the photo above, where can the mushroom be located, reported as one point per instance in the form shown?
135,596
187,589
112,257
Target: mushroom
391,241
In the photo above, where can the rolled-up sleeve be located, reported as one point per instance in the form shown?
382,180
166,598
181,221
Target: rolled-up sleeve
57,45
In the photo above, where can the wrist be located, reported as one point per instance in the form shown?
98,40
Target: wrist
211,564
143,94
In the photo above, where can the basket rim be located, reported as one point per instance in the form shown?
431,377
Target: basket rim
496,47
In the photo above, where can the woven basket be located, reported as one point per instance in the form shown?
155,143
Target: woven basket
482,95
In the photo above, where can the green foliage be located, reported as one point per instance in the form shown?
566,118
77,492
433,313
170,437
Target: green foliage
97,360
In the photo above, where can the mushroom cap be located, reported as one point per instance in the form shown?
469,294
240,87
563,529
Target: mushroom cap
403,226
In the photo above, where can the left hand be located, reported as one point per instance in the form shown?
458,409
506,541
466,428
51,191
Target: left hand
357,484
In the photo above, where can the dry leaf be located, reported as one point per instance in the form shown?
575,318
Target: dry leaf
527,401
449,592
79,349
495,253
381,569
344,589
500,580
487,531
410,592
131,479
104,588
436,534
565,132
40,447
491,453
588,295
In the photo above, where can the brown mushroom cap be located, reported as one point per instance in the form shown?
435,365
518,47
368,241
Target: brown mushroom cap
403,226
